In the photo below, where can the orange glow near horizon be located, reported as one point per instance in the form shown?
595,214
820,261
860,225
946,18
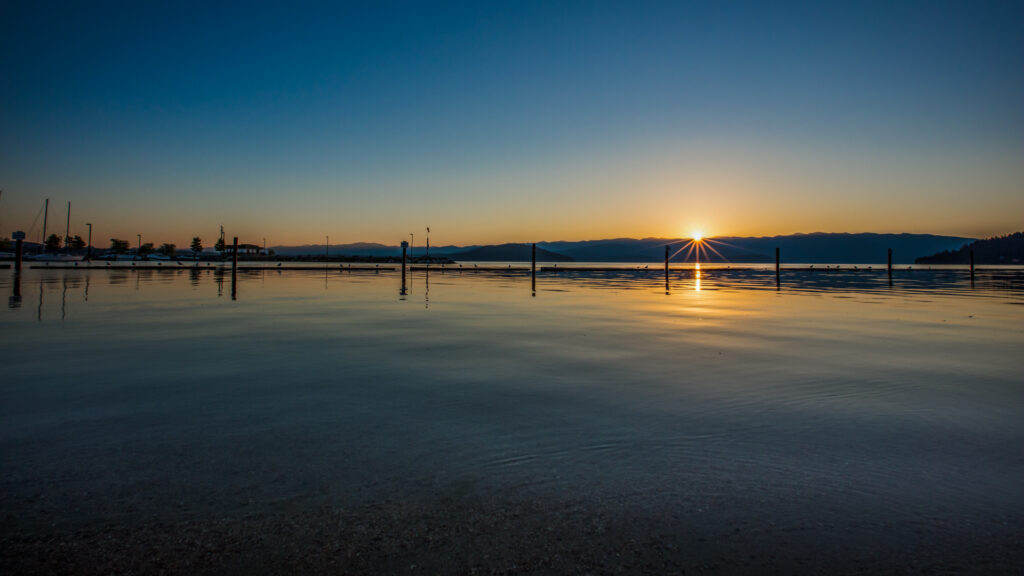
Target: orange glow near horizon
695,246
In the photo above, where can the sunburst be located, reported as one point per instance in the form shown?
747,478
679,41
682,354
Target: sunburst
700,247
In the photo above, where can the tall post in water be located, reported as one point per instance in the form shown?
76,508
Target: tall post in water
234,268
88,250
18,248
890,266
778,277
972,267
533,271
666,268
405,246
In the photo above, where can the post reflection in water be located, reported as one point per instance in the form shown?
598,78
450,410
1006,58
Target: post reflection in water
15,299
64,298
838,282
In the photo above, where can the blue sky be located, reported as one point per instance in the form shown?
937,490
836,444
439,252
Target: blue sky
513,121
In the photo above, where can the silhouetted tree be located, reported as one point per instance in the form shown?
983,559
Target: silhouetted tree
146,249
53,243
76,242
219,246
118,246
168,249
6,244
1008,249
197,246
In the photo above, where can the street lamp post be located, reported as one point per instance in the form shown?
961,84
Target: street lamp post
88,250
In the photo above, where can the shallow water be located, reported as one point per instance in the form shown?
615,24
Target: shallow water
832,398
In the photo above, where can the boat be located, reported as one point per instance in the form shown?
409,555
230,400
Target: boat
55,258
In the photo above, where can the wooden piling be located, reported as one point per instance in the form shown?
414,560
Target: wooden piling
405,246
890,266
533,271
666,268
234,261
778,278
18,250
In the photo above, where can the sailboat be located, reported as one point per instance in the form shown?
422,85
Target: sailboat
65,257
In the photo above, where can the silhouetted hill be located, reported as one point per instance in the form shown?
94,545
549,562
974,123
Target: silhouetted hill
1007,249
796,248
364,249
508,253
799,248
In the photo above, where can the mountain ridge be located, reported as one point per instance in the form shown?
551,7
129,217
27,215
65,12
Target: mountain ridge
509,252
813,247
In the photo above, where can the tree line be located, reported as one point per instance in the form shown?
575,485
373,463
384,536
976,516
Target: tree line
1008,249
169,249
55,243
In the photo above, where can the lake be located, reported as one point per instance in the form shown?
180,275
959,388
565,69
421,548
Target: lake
157,419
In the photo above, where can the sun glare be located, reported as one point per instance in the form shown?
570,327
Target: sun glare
697,236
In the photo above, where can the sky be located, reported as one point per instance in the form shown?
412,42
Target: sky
510,122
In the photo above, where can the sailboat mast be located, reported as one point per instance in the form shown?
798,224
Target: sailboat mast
67,230
46,212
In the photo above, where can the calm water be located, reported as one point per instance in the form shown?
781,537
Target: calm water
834,401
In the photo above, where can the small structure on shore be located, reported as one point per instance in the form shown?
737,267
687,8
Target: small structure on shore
244,250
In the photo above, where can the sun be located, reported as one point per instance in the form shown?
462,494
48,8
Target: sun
697,235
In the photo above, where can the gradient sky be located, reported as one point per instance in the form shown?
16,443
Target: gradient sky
518,121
